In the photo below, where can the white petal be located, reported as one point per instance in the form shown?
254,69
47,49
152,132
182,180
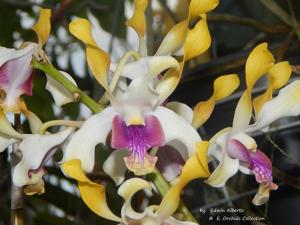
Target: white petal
60,94
182,110
176,128
227,166
35,149
7,54
115,166
287,103
126,191
83,142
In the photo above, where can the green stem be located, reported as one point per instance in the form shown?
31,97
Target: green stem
163,186
76,92
159,181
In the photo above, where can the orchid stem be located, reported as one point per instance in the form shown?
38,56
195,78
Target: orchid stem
73,89
53,123
163,186
159,181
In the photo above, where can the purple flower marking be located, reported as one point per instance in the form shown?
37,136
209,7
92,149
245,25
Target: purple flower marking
138,139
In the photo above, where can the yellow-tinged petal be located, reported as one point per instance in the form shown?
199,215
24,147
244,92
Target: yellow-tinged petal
92,194
174,39
6,127
198,7
198,40
195,167
278,76
43,26
138,20
98,60
223,87
259,62
169,82
81,28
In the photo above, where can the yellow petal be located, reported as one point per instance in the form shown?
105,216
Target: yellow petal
174,39
223,87
258,63
92,194
98,60
198,40
81,28
43,26
198,7
279,74
169,82
195,167
6,127
138,20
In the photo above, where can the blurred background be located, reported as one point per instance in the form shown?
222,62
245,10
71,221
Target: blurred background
236,27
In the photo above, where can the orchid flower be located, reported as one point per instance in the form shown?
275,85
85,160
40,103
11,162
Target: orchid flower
135,116
16,79
149,216
234,147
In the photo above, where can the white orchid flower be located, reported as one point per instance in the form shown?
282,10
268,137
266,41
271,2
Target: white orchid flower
149,216
135,117
234,147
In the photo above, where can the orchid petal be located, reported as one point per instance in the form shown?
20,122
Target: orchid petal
97,59
259,62
83,142
34,121
138,19
174,39
287,103
182,110
92,194
192,46
6,141
60,94
176,128
43,26
16,77
126,191
35,150
168,83
115,166
278,76
223,87
195,167
198,7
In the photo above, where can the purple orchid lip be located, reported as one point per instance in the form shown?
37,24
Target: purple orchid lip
138,139
257,162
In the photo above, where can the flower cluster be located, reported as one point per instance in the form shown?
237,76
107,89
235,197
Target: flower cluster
144,130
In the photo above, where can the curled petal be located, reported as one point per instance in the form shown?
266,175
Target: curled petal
223,87
198,7
6,141
192,46
174,39
92,194
195,167
60,94
43,26
258,63
83,142
287,103
97,59
138,19
36,149
6,128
